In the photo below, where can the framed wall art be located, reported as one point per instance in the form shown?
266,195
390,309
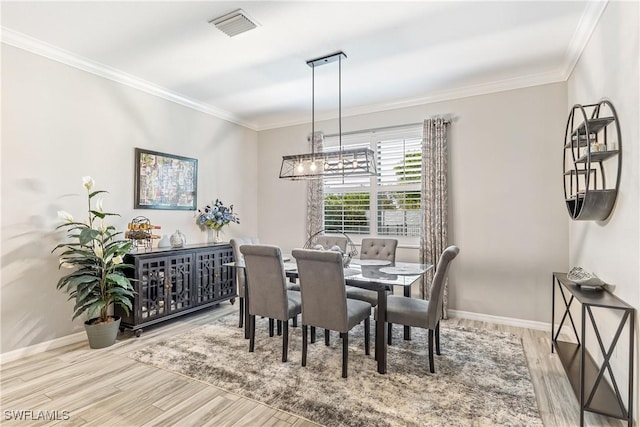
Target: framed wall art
165,181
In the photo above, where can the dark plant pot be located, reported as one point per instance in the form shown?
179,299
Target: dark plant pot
103,334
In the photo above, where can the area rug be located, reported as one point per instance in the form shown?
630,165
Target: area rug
481,378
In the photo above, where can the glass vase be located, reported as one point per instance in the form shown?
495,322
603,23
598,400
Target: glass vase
213,235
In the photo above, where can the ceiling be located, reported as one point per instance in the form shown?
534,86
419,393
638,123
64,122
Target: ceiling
399,53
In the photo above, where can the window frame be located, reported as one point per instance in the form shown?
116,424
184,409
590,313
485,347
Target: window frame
374,186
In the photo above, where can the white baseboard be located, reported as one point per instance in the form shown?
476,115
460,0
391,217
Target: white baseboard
510,321
10,356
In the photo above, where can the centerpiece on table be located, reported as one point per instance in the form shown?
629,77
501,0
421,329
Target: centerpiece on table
98,282
214,217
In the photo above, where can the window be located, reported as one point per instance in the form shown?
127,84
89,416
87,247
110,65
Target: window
387,204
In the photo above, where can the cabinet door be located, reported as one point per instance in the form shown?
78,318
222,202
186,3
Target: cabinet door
225,275
178,285
150,298
213,280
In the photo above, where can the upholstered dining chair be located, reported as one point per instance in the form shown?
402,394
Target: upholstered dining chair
327,241
268,296
420,313
240,273
324,300
373,249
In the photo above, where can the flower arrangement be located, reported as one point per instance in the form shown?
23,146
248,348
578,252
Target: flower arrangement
216,216
96,253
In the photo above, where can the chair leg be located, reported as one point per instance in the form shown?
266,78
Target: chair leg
367,331
327,336
345,353
279,327
438,338
431,366
294,323
270,327
389,333
241,311
252,333
313,334
285,340
304,345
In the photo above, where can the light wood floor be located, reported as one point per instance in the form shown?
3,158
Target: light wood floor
106,388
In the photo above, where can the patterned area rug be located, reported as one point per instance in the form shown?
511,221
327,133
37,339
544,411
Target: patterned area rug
481,378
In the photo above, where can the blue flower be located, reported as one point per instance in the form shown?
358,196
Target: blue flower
216,215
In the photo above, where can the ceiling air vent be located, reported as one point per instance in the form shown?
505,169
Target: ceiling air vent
234,23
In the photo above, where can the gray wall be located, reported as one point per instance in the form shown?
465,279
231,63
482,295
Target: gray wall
60,124
507,211
609,69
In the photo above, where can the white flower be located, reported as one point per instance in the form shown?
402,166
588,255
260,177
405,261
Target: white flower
88,182
117,259
99,204
65,216
97,249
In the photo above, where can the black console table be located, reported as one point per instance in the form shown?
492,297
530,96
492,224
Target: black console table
586,375
173,282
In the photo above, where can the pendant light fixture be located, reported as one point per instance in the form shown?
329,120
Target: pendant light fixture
326,164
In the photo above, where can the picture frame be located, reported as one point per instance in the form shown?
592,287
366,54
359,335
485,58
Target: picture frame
165,181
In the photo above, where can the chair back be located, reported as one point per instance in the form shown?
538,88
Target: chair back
237,256
322,288
328,241
266,281
436,293
384,249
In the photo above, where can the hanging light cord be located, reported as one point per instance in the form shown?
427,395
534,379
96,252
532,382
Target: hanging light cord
313,112
340,104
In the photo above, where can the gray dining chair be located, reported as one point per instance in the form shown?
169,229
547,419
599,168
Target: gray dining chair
240,273
327,241
420,313
324,300
267,293
378,249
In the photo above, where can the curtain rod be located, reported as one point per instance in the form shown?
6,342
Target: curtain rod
446,122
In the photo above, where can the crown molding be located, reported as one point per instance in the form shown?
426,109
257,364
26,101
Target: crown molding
33,45
447,95
584,30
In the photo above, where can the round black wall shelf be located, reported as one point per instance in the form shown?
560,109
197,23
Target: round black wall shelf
592,161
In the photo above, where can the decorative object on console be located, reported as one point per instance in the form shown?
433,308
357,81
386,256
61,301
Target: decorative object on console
98,280
592,141
214,217
581,277
178,239
165,181
165,242
140,232
315,165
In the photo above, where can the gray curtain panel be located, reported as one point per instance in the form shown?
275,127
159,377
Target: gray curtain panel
315,194
433,236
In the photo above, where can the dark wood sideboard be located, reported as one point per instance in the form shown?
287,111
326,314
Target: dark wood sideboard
172,282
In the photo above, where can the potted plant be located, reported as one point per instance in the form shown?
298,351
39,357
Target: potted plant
98,281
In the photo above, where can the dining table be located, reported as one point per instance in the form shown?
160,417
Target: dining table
380,276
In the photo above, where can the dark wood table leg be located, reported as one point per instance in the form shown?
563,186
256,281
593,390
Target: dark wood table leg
407,329
381,331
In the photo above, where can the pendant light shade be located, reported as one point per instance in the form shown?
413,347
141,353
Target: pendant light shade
325,164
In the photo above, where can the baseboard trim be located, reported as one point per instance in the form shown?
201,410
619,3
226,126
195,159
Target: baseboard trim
509,321
11,356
